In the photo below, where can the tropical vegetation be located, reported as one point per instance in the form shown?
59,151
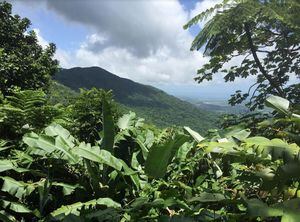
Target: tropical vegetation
262,42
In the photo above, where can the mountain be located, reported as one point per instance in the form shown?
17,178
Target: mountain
148,102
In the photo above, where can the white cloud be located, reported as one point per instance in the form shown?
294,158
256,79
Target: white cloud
62,56
160,66
140,40
40,39
142,27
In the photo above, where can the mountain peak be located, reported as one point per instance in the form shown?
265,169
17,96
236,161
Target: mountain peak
149,102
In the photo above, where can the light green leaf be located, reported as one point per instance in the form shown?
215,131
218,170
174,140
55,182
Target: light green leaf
14,206
75,208
197,137
238,134
16,188
279,104
126,121
184,150
67,188
6,165
144,149
55,145
5,217
98,155
3,145
161,154
57,130
208,197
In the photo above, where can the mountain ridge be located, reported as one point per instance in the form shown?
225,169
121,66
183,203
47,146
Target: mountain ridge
147,101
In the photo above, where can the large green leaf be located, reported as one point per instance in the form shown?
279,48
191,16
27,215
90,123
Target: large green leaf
291,217
75,208
67,188
238,134
208,197
6,165
291,209
288,210
197,137
144,149
279,104
98,155
161,154
133,174
184,150
14,206
257,208
276,148
58,130
126,121
16,188
57,142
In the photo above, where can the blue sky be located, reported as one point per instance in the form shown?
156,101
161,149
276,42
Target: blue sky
141,40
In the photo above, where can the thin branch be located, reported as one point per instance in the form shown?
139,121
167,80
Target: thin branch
251,87
273,83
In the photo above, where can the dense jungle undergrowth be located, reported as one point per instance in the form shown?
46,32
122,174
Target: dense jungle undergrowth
88,161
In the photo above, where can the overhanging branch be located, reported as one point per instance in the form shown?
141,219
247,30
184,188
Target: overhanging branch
273,83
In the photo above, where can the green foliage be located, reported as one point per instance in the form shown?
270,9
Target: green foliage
24,63
162,153
25,111
60,94
86,114
283,123
175,112
151,175
264,37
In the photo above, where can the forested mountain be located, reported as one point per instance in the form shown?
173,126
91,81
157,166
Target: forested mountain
77,156
149,102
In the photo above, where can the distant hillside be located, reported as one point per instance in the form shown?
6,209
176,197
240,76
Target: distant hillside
148,102
219,106
222,109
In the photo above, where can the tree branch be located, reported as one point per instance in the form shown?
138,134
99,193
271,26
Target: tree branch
273,83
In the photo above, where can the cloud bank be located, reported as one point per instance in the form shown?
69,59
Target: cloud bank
140,40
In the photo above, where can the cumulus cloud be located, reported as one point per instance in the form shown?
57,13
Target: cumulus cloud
160,66
62,56
140,40
40,39
142,27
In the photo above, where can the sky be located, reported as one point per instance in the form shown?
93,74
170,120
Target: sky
142,40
